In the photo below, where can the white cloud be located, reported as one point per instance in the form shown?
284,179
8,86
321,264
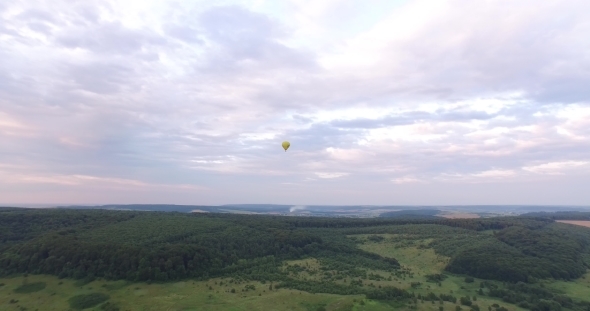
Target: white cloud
326,175
406,180
557,167
495,173
346,154
86,180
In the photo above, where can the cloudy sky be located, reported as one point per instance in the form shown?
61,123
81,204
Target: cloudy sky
383,101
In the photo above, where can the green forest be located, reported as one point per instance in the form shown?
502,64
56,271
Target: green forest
506,258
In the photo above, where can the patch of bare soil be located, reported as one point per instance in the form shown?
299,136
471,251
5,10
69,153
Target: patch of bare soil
459,215
584,223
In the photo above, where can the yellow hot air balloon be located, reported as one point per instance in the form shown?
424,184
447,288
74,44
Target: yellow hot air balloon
286,145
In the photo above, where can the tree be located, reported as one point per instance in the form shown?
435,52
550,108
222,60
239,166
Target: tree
465,301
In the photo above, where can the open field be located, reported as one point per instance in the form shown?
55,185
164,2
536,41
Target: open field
176,296
584,223
458,215
579,288
415,256
215,294
421,261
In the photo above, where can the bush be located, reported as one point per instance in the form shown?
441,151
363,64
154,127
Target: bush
465,301
87,300
435,278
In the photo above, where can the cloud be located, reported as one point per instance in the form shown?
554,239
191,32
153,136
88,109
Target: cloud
242,39
495,173
556,167
406,180
110,38
94,181
422,93
325,175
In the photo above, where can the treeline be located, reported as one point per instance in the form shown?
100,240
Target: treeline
521,254
570,215
161,246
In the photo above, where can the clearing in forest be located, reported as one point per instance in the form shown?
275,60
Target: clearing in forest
411,253
584,223
578,288
458,215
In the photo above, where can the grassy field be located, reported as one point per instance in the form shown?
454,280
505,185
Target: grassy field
411,253
578,289
417,259
415,256
183,296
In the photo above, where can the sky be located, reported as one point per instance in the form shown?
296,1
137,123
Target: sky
384,102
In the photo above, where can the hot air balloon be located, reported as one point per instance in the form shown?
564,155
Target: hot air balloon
286,145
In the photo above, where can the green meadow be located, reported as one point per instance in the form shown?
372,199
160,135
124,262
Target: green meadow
421,260
176,296
51,293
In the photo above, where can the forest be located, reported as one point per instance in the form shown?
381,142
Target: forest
513,253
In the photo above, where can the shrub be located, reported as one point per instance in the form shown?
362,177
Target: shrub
465,301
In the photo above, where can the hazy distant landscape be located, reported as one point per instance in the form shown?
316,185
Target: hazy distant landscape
460,211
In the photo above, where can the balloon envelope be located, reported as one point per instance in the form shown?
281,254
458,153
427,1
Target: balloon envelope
286,145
